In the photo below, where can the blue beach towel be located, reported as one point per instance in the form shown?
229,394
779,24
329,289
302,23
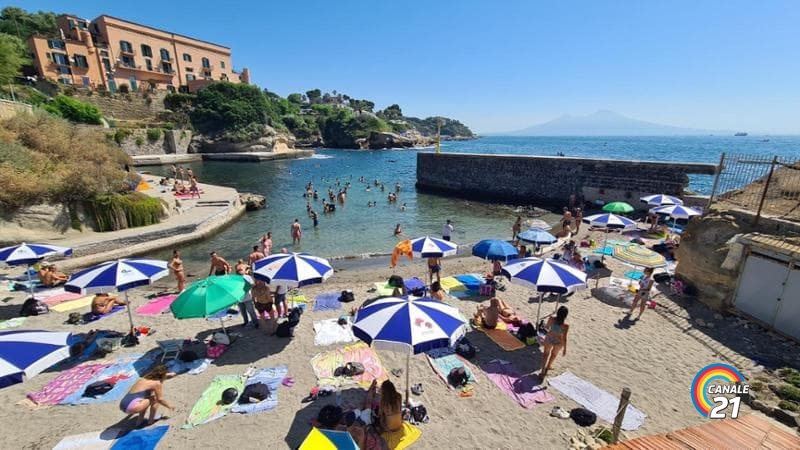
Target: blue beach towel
471,281
328,301
195,367
608,251
272,377
91,317
634,275
146,439
126,370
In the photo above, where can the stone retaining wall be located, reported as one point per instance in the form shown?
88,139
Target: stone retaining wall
9,109
130,106
169,142
541,180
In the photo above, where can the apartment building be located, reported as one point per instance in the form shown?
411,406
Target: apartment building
109,52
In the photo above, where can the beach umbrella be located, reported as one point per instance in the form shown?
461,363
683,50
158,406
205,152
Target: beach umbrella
537,236
676,211
494,250
639,256
427,247
23,354
292,269
29,254
545,275
408,325
609,220
618,207
661,200
209,296
119,275
320,439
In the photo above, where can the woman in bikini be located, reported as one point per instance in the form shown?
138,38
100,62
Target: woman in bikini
146,395
391,409
643,294
555,340
176,265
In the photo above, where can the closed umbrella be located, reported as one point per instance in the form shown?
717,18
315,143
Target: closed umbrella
119,275
495,250
29,254
292,269
24,354
661,200
211,295
545,275
427,247
408,325
618,207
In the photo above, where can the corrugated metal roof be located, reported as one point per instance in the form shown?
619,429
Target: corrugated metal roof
778,244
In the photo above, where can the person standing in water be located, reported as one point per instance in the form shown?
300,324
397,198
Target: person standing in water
297,232
266,244
447,230
516,228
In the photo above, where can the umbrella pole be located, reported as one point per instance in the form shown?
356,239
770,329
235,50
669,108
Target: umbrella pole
128,307
558,301
605,241
408,393
539,309
30,280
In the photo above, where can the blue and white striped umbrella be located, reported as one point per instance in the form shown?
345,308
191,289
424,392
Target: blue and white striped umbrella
30,253
676,211
427,247
292,269
545,275
536,236
23,354
609,220
119,275
661,200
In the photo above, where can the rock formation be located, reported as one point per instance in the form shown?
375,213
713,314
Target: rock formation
253,202
270,140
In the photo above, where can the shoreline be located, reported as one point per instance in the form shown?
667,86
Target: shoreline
165,159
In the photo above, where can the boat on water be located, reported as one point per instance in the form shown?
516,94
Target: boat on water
741,133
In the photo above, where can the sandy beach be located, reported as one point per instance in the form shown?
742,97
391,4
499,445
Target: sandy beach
656,357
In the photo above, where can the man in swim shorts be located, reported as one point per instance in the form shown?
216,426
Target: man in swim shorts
218,265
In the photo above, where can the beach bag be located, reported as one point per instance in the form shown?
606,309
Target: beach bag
75,318
457,377
229,396
254,393
465,348
221,338
215,350
598,264
395,281
419,414
330,416
347,297
129,340
98,388
33,307
662,278
294,316
284,329
526,331
583,417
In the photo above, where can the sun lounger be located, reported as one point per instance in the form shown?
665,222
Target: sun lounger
208,406
272,377
602,403
522,388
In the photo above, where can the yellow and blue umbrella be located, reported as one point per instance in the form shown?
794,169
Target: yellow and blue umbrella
319,439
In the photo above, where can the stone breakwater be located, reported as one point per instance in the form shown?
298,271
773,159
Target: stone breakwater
545,180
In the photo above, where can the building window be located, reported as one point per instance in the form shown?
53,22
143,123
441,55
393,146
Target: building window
60,59
56,44
166,67
80,61
190,77
148,64
147,51
104,53
187,57
165,55
206,63
63,70
222,64
128,61
189,69
107,64
126,47
223,77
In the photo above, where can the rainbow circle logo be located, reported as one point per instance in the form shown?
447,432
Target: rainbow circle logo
711,374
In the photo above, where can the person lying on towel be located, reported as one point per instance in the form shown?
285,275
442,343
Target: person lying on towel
104,303
487,317
50,277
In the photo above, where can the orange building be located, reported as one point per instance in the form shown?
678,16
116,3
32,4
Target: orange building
108,53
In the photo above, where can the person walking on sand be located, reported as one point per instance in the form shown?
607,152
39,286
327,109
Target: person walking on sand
218,265
176,265
516,228
555,340
566,222
434,268
642,296
266,244
578,219
297,232
193,188
447,230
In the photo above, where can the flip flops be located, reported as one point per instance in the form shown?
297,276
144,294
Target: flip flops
417,389
559,412
288,382
397,372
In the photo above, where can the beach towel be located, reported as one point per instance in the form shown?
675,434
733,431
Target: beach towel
522,388
413,284
53,300
443,360
95,440
209,406
146,439
27,285
157,305
614,296
328,301
91,317
596,400
502,337
124,373
452,284
82,302
12,323
324,364
327,332
296,299
634,274
401,438
471,281
65,384
383,289
608,251
195,367
188,196
272,377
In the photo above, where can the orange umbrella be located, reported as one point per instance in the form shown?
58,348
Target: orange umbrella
402,248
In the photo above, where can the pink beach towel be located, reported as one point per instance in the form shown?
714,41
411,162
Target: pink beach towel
60,298
326,363
523,389
156,306
66,383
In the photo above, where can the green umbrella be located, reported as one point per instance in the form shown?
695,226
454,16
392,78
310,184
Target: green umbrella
617,207
208,296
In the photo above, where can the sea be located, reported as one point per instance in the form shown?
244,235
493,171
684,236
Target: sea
358,231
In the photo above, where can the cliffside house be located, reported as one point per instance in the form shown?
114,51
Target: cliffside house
107,52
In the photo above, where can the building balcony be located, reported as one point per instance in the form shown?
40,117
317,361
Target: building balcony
168,59
208,68
127,52
135,68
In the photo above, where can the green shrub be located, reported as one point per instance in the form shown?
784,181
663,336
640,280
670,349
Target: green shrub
74,110
119,211
788,406
789,392
790,375
121,134
139,141
757,386
153,134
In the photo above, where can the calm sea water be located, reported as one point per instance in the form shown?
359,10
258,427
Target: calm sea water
358,230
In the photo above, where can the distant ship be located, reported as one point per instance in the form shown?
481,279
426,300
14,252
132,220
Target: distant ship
741,133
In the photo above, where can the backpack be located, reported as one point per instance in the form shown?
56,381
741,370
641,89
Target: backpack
465,348
458,377
33,307
419,414
526,331
583,417
229,396
347,297
98,388
75,318
350,369
256,391
330,416
395,281
284,329
294,316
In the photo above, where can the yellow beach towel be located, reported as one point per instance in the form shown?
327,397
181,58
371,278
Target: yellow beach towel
452,284
503,338
402,438
82,302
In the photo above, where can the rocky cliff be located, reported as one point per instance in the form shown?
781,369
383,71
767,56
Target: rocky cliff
267,140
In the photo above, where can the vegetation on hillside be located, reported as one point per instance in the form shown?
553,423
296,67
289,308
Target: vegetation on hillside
22,24
13,55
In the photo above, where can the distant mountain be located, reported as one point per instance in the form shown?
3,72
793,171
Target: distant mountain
605,123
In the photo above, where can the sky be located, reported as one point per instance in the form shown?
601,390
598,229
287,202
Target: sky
505,65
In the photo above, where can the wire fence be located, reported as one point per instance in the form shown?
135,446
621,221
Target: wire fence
764,184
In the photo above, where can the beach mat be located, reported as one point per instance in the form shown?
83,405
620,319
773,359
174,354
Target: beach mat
146,439
195,367
502,337
82,302
328,332
443,360
401,438
272,377
452,284
596,400
208,406
614,296
123,372
328,301
62,297
66,384
522,388
383,289
157,305
325,364
12,323
95,440
471,281
92,317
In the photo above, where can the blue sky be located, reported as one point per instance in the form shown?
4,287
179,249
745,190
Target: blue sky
501,66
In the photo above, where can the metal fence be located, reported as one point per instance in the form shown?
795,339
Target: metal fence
764,184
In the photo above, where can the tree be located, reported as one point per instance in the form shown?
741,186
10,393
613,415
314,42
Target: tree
18,22
361,105
314,96
295,98
227,107
12,57
392,112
